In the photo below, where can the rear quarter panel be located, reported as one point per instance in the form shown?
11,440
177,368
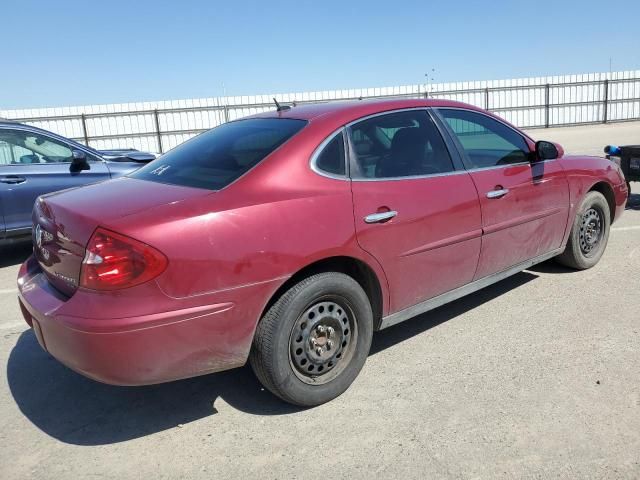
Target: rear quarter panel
233,247
265,227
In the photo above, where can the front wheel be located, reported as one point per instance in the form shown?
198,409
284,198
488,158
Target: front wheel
589,233
314,340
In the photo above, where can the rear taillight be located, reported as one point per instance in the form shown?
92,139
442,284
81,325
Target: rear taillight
113,261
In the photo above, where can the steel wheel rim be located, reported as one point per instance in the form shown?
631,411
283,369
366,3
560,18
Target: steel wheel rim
591,231
322,341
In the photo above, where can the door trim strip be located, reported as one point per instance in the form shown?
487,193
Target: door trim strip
514,222
459,292
445,242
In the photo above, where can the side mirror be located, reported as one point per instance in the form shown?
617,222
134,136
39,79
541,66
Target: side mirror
546,151
79,161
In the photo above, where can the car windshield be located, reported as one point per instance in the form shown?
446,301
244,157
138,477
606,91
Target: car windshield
216,158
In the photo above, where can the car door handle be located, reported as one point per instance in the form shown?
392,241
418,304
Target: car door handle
380,217
12,179
497,193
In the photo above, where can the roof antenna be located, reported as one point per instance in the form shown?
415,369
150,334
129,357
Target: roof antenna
279,107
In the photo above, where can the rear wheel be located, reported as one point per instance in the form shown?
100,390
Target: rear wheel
314,340
589,233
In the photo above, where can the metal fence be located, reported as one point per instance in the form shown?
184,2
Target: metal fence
528,103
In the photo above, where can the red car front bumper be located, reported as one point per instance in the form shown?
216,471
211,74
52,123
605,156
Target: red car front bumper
146,349
621,194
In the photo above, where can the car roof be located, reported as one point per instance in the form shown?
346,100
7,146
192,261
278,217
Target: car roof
346,111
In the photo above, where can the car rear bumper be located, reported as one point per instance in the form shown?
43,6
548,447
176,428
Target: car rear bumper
138,350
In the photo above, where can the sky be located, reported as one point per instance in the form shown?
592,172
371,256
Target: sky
68,52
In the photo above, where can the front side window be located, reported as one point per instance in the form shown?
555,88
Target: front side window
401,144
21,147
486,142
214,159
331,158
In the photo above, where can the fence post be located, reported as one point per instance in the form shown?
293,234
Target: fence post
158,134
226,113
84,129
486,98
546,106
605,113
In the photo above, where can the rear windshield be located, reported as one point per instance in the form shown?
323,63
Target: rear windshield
214,159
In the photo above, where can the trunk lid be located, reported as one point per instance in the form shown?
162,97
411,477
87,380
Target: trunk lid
63,222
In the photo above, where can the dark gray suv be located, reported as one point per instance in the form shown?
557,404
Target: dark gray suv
34,161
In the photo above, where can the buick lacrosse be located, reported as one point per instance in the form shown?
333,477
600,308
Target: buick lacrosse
288,238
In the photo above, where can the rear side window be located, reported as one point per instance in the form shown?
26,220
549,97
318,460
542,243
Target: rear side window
331,158
399,144
216,158
486,142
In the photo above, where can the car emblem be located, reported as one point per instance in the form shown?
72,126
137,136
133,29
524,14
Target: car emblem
42,237
69,280
39,236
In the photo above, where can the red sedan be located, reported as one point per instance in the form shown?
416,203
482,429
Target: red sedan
288,238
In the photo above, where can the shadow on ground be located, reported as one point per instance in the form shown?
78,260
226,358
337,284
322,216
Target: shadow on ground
14,254
551,267
79,411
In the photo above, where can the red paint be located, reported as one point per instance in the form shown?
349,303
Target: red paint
529,221
432,246
229,251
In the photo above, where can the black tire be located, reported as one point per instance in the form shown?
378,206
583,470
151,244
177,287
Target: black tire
583,248
286,341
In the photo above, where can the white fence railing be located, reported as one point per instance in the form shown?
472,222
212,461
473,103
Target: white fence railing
525,102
